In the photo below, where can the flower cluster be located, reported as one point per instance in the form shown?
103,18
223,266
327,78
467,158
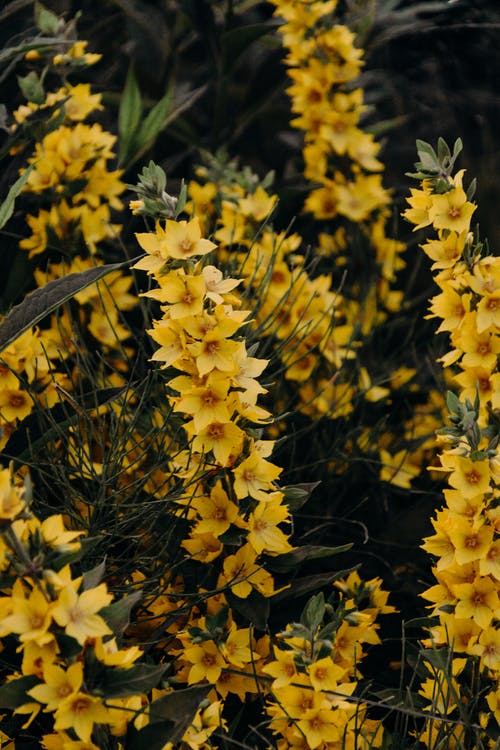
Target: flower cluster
324,63
227,491
64,669
315,670
466,541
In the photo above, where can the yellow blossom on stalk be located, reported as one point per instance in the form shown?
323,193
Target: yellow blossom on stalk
184,294
283,668
206,660
264,534
471,478
319,725
254,477
31,615
223,439
179,239
445,251
15,404
325,674
470,543
80,712
398,468
58,685
11,498
237,647
488,648
477,600
451,210
77,613
207,403
242,574
217,512
420,202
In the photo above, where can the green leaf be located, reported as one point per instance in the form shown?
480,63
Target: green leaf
305,585
121,683
47,22
255,608
291,560
13,693
7,207
296,495
38,304
443,150
129,115
169,718
452,402
167,115
93,577
152,125
236,41
153,736
179,706
117,615
32,88
314,612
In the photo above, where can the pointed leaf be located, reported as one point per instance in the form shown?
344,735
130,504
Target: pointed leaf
129,115
121,683
47,22
7,207
179,706
13,693
169,718
255,608
41,302
305,585
292,560
236,41
117,615
93,577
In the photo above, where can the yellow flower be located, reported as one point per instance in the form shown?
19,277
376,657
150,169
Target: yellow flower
11,498
242,573
264,534
207,662
319,725
451,210
397,469
77,613
420,202
80,712
254,477
470,477
283,669
179,240
217,512
31,616
470,544
237,649
488,648
215,351
184,294
58,685
206,404
14,404
325,674
224,439
477,600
